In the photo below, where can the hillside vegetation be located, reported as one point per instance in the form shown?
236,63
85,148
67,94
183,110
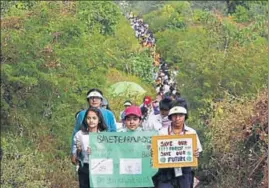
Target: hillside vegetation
222,61
53,52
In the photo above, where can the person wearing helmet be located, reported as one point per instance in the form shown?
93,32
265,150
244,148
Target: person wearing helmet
94,99
177,177
132,119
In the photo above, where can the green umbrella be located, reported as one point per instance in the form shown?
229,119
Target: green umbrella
126,88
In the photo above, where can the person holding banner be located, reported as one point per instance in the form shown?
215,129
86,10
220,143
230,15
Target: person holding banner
132,120
92,122
177,177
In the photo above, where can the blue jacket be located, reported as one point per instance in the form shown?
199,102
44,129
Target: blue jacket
108,118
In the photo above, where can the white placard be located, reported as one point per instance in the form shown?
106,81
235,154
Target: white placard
101,166
175,150
131,166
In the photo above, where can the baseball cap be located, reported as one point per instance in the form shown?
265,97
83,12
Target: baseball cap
133,110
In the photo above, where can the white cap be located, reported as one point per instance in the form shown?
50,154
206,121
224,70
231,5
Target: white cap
177,110
127,104
95,94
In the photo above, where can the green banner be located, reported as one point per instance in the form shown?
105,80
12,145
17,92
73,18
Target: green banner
121,159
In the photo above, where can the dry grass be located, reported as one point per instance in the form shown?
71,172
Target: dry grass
240,142
12,22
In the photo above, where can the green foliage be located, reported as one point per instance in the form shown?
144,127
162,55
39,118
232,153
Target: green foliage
241,14
214,56
172,16
26,167
221,58
15,7
141,66
99,16
207,6
237,141
52,53
139,7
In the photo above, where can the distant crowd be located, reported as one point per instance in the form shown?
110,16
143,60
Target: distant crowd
164,79
142,32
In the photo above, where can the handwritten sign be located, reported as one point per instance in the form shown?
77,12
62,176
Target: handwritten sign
174,151
121,159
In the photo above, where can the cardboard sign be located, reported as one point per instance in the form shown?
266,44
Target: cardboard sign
121,159
174,151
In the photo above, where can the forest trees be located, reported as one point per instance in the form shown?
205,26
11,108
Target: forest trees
216,54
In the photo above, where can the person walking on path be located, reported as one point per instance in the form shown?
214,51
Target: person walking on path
156,122
94,99
177,177
132,119
92,122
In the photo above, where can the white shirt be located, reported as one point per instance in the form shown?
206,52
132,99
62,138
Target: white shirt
157,89
81,139
166,88
155,122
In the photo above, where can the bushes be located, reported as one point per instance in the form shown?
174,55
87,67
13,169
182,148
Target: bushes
51,57
237,142
220,59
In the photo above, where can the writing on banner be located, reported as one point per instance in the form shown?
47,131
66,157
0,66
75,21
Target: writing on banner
121,159
174,151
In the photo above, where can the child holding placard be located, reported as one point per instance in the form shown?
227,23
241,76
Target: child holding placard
132,119
93,122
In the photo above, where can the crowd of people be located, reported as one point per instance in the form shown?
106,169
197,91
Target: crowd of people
142,32
165,83
166,114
